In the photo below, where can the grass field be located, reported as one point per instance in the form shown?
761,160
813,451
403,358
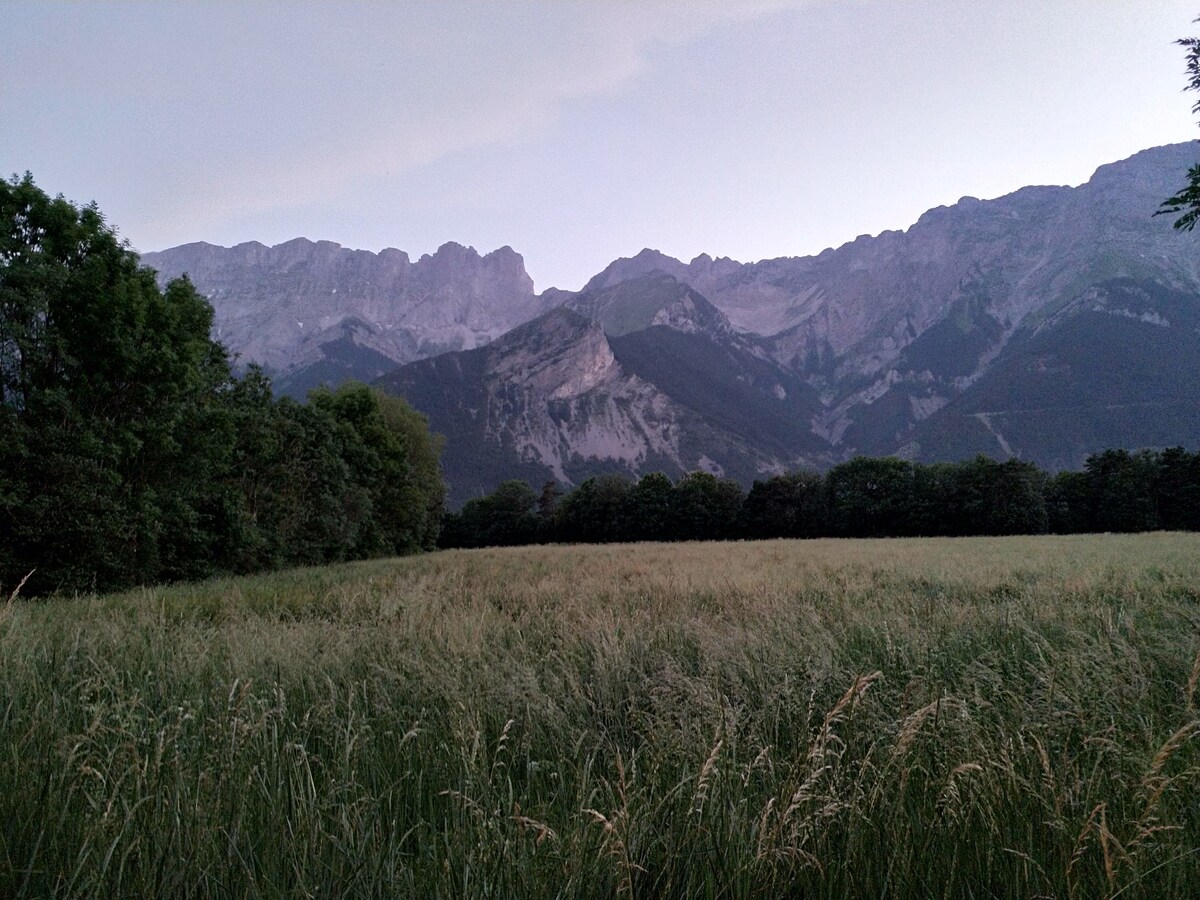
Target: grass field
903,718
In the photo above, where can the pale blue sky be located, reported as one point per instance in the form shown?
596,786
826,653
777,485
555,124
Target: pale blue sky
576,132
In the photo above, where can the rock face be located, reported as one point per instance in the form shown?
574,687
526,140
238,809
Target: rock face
1117,366
890,330
560,398
1047,324
310,312
863,302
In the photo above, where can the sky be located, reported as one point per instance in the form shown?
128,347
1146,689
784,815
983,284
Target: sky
576,131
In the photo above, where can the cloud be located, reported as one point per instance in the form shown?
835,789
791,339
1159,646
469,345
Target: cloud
260,108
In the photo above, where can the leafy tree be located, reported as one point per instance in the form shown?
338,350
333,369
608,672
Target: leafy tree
1177,489
648,509
1187,201
595,512
706,508
306,509
547,511
936,508
108,388
785,506
870,497
1068,503
394,499
1121,491
1000,498
420,497
505,517
254,471
128,452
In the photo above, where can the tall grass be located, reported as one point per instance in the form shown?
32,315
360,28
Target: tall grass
939,718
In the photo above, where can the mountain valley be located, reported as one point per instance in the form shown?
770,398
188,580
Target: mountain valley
1046,324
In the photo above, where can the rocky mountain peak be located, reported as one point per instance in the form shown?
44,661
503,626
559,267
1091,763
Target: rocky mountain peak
501,271
1046,323
649,300
559,355
279,306
629,268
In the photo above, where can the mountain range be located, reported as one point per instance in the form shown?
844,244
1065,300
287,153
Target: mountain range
316,312
1046,324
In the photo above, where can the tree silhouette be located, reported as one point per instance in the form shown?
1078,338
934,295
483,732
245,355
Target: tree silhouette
1187,201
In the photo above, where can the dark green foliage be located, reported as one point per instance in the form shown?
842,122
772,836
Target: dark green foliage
350,474
418,499
1177,490
128,452
649,509
595,512
1067,503
937,507
394,491
865,497
110,389
506,517
870,497
1121,490
785,506
1000,498
706,508
1187,201
547,507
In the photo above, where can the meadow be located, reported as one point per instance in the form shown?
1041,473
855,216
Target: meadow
971,717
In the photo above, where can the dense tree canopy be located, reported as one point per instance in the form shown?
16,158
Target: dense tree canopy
863,497
785,506
130,454
107,395
504,518
870,497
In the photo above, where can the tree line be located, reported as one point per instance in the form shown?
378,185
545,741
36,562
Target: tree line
130,453
864,497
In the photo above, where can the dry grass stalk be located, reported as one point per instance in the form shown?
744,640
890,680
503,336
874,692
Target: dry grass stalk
1154,784
762,761
1167,750
542,831
641,647
501,746
615,842
703,780
910,727
12,598
1082,841
1189,694
950,802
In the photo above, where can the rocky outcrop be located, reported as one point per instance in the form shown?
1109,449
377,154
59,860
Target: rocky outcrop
656,298
892,328
281,306
551,400
1047,324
